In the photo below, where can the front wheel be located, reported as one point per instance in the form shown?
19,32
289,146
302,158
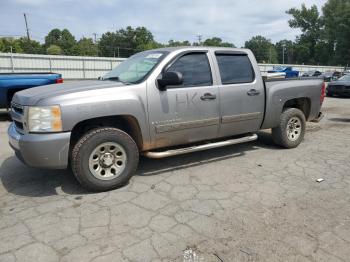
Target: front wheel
104,159
291,129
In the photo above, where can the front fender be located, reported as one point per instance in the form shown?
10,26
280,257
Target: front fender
78,107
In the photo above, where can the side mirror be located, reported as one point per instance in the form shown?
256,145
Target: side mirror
171,78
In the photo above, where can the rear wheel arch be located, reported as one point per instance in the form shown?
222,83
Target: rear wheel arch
301,103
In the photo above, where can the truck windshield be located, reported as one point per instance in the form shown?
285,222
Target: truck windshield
136,68
345,78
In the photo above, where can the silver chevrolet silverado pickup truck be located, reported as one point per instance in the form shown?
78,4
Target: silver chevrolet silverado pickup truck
158,103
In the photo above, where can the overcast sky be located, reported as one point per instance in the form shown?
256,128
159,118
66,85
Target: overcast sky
233,21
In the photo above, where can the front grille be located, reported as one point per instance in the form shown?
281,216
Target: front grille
18,125
338,87
17,114
17,108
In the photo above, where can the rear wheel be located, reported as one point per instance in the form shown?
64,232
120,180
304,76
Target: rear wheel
104,159
291,129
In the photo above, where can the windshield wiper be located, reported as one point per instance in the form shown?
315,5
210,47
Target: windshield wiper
116,78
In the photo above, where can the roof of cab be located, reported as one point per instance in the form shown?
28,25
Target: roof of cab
189,48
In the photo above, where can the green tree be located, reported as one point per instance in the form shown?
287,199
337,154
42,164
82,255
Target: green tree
85,47
67,41
289,50
216,41
8,44
141,38
108,44
54,50
323,54
178,43
30,46
336,17
126,42
263,49
302,53
64,39
150,45
309,21
53,37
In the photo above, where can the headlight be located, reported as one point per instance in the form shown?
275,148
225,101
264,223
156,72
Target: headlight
44,119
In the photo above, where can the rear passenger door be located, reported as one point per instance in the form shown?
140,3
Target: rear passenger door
241,94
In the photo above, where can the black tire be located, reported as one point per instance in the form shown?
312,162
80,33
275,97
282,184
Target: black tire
279,133
85,146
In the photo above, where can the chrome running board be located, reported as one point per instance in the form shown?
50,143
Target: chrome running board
186,150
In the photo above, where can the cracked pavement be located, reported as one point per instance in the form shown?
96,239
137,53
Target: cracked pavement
248,202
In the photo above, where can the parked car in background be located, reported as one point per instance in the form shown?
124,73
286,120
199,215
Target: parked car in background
286,69
10,83
312,73
158,103
274,75
330,76
340,87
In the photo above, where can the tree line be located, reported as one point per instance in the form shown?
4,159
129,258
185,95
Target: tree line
122,43
324,40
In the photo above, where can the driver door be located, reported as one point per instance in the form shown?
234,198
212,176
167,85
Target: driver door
189,112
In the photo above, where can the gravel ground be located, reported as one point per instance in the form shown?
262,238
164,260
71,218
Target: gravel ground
249,202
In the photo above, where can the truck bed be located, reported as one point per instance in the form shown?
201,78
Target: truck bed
11,83
278,91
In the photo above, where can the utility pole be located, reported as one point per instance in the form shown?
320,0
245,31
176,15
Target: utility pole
95,37
283,50
199,37
25,20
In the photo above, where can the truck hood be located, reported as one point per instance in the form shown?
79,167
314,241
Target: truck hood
339,83
32,96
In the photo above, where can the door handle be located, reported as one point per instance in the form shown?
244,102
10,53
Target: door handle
253,92
208,96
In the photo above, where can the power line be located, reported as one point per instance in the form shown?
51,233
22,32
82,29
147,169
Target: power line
25,20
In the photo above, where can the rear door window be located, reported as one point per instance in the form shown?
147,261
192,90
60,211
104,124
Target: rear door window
235,69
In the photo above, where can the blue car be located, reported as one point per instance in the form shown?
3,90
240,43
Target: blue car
10,83
285,69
